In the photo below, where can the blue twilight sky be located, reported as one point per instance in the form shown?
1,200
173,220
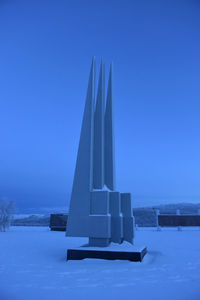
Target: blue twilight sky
46,48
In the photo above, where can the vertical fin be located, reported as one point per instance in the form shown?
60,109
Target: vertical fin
109,138
98,173
83,176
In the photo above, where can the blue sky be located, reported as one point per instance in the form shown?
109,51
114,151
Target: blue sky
45,54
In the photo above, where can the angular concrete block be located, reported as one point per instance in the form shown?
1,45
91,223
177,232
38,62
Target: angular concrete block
126,204
100,226
117,229
99,204
116,217
128,221
115,204
128,228
99,242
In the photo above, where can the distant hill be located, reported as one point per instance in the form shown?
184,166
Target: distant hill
41,210
186,207
144,216
32,220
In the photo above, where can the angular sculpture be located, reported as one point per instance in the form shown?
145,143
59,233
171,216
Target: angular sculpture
97,209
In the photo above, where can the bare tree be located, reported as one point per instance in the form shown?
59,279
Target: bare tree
6,211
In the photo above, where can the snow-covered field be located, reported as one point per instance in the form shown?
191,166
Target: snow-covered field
33,266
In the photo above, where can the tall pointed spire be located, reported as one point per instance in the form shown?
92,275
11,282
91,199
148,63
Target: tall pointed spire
98,171
109,138
83,177
102,214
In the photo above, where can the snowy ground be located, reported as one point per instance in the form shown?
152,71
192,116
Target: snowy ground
33,266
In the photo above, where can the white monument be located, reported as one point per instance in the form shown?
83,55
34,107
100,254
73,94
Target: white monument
97,210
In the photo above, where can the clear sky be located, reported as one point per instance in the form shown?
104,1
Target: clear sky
46,49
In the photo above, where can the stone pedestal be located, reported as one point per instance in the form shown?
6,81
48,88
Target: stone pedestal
111,252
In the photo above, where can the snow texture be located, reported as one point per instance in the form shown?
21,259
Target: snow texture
125,247
33,266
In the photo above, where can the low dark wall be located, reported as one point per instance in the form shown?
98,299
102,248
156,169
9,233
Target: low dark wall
179,220
145,217
58,222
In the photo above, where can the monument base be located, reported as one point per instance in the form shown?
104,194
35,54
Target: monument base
123,251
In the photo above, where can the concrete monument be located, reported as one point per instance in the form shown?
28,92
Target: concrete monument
97,210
